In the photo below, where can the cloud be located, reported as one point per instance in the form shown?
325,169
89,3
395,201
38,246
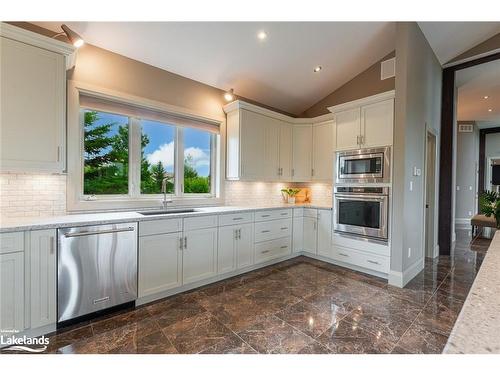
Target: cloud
199,157
164,153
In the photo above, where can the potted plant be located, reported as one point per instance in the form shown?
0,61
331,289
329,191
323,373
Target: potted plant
290,194
489,205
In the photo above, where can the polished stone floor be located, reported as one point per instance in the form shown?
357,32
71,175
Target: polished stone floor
298,306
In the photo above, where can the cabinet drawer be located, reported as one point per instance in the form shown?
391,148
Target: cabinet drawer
271,230
357,258
200,222
11,242
310,212
272,249
273,214
238,218
147,228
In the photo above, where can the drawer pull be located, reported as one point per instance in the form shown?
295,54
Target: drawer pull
265,251
344,255
373,262
284,247
264,231
265,215
283,228
237,218
284,214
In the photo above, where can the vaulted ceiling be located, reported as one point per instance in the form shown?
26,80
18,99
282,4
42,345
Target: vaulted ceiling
277,71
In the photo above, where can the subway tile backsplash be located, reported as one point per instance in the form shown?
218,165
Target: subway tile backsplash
31,195
24,194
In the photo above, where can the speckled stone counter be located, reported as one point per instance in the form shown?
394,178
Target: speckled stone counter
51,222
477,329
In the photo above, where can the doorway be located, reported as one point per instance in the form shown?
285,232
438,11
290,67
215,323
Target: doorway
430,196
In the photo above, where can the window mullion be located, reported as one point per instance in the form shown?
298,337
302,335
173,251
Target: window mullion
179,161
134,179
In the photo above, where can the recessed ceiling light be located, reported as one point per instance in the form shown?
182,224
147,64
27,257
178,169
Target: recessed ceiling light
490,110
485,97
262,35
317,69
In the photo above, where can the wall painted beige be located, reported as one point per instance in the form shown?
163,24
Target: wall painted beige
364,84
417,107
488,45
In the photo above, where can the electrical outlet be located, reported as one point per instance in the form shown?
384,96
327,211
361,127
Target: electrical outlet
409,252
411,185
470,213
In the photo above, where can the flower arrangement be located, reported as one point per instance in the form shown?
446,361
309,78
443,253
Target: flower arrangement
289,194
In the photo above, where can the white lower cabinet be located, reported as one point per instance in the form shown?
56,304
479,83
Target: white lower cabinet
362,259
160,263
325,233
12,292
310,234
199,254
298,233
43,282
235,248
268,250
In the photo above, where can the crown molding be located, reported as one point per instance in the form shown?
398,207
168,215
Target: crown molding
364,101
41,41
240,104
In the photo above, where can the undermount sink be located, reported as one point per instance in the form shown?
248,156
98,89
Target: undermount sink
166,212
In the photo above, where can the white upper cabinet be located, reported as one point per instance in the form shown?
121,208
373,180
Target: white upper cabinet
302,152
347,125
377,122
322,151
33,101
262,145
364,123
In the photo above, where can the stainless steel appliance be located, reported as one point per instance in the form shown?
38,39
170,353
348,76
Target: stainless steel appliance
370,165
97,268
362,211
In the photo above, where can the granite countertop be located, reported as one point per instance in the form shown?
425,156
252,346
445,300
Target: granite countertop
476,330
70,220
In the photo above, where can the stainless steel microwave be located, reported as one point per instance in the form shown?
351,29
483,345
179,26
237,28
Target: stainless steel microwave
369,165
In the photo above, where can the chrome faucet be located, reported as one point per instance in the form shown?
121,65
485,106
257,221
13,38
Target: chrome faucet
164,191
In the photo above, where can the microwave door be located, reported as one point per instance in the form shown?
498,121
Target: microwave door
361,166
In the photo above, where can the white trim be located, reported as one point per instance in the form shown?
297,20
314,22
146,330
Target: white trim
467,59
239,104
462,221
364,101
400,279
75,201
40,41
343,264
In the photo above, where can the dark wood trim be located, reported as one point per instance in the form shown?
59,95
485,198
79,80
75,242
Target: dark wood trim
446,152
482,157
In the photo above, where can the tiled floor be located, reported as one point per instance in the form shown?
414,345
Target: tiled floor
298,306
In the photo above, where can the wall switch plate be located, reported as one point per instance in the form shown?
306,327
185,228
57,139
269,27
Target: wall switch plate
411,185
417,171
458,188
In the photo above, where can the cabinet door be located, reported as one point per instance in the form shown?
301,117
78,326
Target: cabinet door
32,91
298,234
42,276
310,234
199,255
252,138
160,263
272,149
286,131
12,292
347,128
377,123
226,253
302,153
325,232
245,244
322,151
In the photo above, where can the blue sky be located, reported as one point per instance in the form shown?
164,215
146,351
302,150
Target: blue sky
161,138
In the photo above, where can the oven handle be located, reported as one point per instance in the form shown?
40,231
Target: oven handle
106,231
375,198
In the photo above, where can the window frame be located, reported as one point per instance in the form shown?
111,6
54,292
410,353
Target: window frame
78,201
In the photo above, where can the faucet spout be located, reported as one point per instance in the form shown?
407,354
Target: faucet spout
165,201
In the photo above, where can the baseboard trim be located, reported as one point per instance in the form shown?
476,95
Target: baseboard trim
462,222
400,279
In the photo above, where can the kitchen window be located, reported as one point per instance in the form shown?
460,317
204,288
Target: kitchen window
129,150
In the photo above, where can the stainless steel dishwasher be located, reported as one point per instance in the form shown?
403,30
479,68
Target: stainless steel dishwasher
96,269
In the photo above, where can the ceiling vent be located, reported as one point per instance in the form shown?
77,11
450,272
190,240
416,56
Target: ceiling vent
465,128
388,68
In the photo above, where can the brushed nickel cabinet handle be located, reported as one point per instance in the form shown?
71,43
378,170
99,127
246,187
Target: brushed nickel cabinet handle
265,251
52,244
344,255
264,215
235,234
284,214
264,231
181,243
373,262
185,242
283,228
239,234
237,218
284,247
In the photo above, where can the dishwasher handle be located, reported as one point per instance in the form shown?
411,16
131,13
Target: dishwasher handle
96,232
